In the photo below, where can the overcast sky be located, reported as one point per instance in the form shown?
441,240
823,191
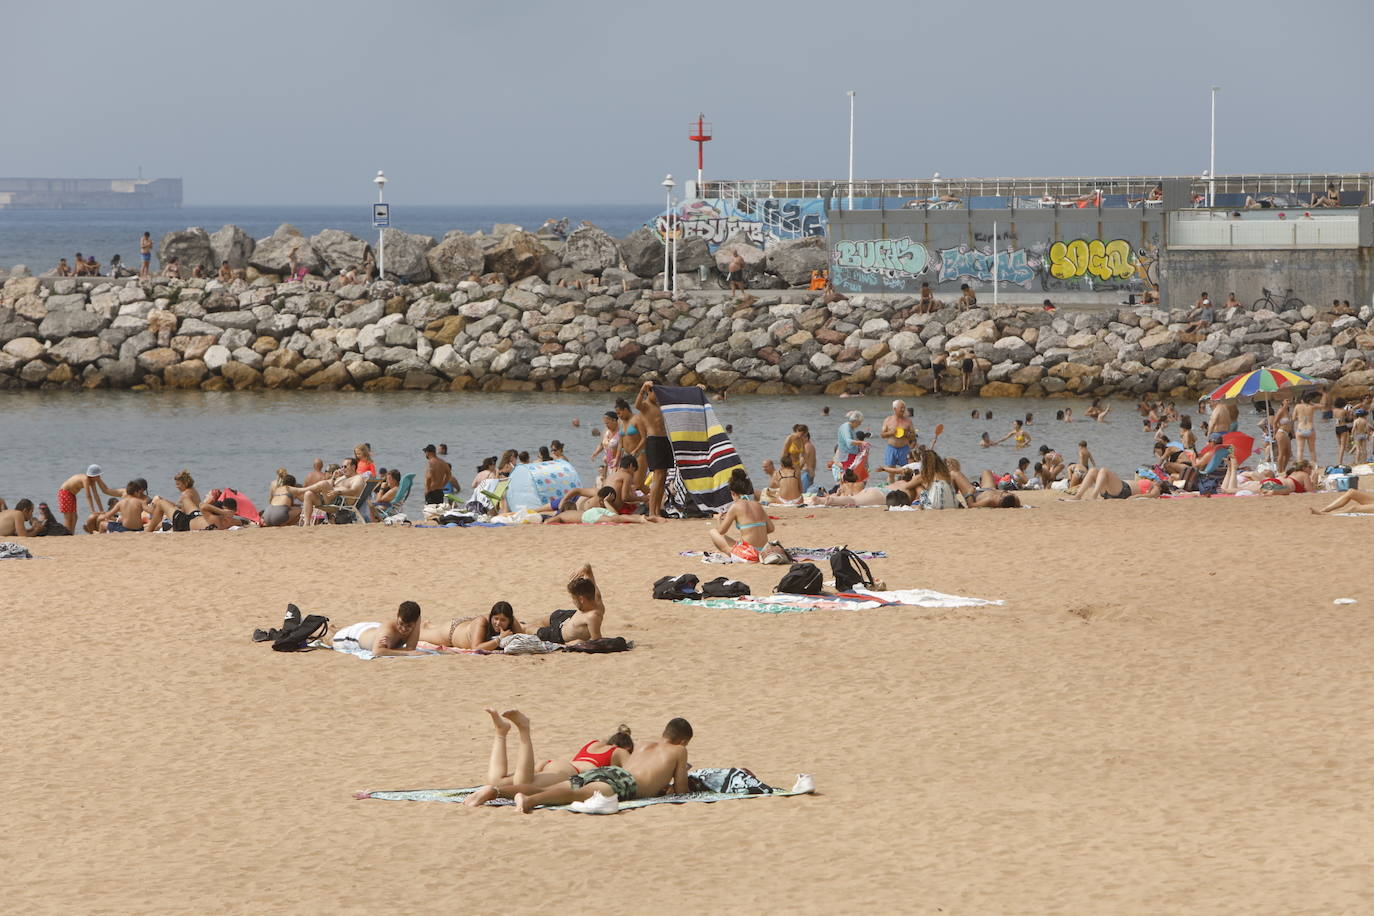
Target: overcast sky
573,102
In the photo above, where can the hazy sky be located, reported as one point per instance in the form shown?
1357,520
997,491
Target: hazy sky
572,102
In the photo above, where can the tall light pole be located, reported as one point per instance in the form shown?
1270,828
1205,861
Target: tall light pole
668,185
1212,161
380,180
851,149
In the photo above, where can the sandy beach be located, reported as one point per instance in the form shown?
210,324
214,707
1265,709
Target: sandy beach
1168,715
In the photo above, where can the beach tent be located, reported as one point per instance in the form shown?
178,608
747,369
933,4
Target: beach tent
246,508
538,484
702,451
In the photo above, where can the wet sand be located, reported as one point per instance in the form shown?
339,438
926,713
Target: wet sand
1168,715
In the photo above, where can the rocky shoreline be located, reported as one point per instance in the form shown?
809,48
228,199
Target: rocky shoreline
517,313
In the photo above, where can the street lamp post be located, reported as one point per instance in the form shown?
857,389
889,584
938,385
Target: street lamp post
1212,160
851,149
380,181
668,185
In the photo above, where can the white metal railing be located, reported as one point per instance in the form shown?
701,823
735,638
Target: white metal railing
1327,231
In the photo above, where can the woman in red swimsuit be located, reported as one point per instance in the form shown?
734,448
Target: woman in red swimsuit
614,751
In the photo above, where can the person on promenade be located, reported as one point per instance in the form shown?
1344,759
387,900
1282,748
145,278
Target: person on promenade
658,450
483,633
608,447
90,482
748,517
438,476
735,271
656,768
900,435
19,521
145,255
182,511
397,636
615,750
1332,198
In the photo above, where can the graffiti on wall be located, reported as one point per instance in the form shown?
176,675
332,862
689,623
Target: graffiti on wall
883,257
963,264
761,220
1095,264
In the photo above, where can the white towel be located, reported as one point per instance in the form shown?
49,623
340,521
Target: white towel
924,597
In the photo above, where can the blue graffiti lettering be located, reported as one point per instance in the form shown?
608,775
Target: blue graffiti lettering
883,257
964,263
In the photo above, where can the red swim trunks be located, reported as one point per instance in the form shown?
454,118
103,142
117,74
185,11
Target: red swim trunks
66,501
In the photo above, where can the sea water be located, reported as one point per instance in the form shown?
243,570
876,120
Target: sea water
239,439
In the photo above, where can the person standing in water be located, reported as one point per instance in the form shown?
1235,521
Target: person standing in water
658,451
899,433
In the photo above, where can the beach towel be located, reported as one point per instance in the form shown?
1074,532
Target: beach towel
360,652
796,553
12,551
737,787
860,599
923,597
702,451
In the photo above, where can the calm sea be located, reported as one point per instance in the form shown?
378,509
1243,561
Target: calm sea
37,238
240,439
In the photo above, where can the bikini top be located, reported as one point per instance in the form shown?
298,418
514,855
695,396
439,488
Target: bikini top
600,759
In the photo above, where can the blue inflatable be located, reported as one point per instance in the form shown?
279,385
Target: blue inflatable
538,484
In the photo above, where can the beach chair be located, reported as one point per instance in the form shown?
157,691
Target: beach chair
346,510
402,492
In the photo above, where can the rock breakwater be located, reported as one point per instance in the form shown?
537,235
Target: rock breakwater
577,320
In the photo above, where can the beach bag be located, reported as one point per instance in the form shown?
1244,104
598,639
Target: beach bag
802,579
295,639
849,570
601,646
940,495
671,588
721,587
774,554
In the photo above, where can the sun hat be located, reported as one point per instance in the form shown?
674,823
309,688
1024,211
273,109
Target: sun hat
93,471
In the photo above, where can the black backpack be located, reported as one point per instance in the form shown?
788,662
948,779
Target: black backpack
298,637
721,587
671,588
802,579
849,570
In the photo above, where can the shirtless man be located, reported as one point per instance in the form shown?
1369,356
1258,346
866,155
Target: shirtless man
127,514
316,473
658,451
570,627
655,768
216,514
438,475
1225,418
398,636
18,522
899,433
90,482
182,511
345,482
145,254
622,479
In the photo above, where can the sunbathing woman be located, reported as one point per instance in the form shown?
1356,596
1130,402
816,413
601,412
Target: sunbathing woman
1297,479
1361,501
1102,482
612,752
750,518
281,508
483,633
789,487
853,493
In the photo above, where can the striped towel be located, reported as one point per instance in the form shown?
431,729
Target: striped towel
702,451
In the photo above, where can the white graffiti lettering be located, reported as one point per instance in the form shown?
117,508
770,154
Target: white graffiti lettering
882,257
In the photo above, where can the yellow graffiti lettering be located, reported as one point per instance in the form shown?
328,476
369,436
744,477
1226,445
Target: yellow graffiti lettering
1104,260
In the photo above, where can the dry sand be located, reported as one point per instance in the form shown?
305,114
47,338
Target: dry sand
1169,715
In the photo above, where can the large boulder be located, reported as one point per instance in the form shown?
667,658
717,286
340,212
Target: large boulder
794,259
517,256
692,253
591,250
755,261
232,244
272,255
13,327
642,252
70,323
405,256
339,250
456,258
187,374
192,249
81,351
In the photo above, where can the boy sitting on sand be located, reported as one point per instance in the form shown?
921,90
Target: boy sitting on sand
568,627
655,768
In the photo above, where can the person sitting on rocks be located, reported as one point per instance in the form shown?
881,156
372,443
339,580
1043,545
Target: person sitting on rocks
967,298
226,273
173,269
63,268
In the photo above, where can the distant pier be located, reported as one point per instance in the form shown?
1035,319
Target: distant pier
89,193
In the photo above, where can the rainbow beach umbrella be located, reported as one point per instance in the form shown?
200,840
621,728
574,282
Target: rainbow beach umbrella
1263,383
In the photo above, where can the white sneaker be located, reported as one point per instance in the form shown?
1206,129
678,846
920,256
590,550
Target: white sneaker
804,784
597,804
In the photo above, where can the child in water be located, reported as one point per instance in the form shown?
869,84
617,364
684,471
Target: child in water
986,441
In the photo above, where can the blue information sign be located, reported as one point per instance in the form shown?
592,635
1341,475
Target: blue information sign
381,216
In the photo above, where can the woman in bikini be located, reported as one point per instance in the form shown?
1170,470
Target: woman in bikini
609,446
614,751
788,481
281,508
481,633
1297,479
1305,427
750,518
852,492
632,439
1102,482
1097,412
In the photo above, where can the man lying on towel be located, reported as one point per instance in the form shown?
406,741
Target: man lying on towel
655,768
398,636
583,624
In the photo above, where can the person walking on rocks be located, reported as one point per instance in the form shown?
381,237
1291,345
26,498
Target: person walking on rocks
145,255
